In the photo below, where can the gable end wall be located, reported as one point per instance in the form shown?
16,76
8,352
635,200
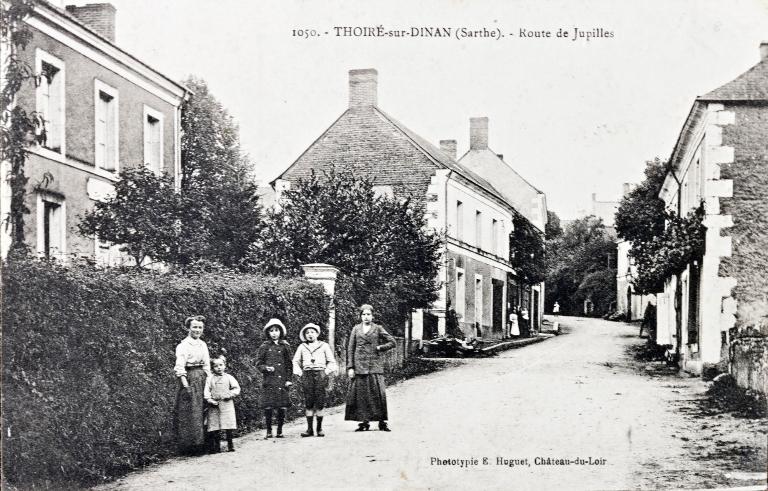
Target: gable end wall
362,142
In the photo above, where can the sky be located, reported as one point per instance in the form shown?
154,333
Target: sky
574,117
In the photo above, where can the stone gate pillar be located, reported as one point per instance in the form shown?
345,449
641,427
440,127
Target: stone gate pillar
325,274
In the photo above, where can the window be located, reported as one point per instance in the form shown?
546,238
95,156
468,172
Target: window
153,139
478,229
495,236
383,191
461,293
459,220
50,101
106,101
51,226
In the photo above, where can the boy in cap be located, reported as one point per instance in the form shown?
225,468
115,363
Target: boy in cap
313,362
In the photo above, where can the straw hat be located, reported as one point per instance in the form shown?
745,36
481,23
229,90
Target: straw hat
308,326
275,322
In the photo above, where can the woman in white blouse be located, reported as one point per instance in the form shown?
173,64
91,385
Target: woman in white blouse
193,366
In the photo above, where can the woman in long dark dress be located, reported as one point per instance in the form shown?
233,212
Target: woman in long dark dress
367,399
192,368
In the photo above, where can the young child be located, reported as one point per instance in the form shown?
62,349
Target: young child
274,360
220,389
313,362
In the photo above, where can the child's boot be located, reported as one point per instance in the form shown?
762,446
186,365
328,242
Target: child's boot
309,431
268,420
230,445
280,419
215,442
320,426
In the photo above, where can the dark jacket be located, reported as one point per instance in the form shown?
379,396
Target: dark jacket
364,351
278,356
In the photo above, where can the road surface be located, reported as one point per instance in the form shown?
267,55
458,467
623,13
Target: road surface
574,412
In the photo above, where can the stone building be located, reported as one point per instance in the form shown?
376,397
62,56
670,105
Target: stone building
528,201
476,217
102,110
717,309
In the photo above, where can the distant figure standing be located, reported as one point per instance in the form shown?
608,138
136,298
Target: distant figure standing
649,321
556,309
366,399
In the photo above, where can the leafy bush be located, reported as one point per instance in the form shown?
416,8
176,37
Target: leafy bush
662,243
88,386
379,243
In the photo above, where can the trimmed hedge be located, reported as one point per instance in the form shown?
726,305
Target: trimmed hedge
88,386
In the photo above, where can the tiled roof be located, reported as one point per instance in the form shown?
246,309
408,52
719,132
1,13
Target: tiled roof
751,85
441,157
517,190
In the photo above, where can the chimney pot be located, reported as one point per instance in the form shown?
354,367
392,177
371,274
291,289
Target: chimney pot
764,50
449,147
363,87
99,17
478,133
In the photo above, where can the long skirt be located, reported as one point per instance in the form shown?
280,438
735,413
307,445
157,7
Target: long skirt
314,383
190,412
222,417
366,399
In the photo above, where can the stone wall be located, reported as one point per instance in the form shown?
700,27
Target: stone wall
749,362
749,208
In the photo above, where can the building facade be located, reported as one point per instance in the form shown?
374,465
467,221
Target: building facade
529,202
717,310
100,110
475,216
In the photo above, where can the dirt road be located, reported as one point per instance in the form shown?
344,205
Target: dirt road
574,412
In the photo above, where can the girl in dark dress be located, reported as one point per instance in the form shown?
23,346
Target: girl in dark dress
367,399
274,361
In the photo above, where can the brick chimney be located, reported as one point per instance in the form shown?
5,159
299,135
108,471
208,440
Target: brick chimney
363,87
449,147
478,133
99,17
763,50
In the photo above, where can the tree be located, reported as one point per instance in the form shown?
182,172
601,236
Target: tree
527,252
581,266
553,229
640,216
379,243
222,215
662,243
142,216
17,128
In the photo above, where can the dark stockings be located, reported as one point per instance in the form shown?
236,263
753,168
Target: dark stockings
280,419
268,420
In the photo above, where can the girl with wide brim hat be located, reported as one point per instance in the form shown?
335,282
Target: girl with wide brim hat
278,323
273,359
